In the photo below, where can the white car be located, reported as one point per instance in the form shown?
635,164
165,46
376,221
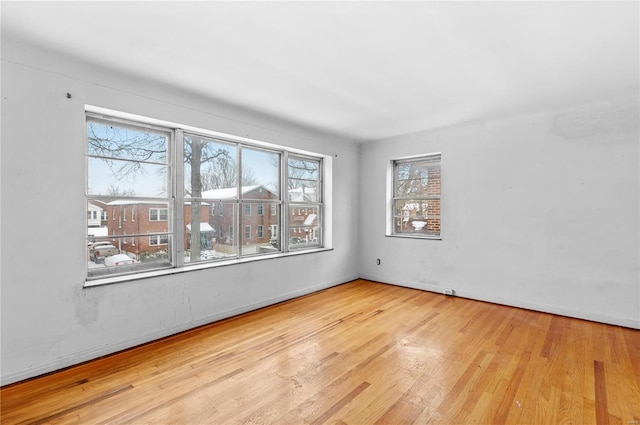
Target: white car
118,260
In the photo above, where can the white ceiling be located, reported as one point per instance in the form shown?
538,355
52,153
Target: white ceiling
362,70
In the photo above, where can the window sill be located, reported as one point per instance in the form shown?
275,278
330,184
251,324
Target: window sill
194,267
410,236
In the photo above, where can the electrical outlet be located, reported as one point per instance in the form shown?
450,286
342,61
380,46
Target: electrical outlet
448,291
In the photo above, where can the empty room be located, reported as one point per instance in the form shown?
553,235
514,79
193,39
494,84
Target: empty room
320,212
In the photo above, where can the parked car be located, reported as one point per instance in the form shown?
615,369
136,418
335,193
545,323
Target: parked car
103,251
94,245
118,260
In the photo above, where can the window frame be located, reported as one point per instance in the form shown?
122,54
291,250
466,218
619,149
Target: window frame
393,198
291,205
175,199
158,214
159,239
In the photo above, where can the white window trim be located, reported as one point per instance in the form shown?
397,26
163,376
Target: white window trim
157,210
158,238
389,201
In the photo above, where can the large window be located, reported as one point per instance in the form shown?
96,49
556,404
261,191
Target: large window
415,200
165,184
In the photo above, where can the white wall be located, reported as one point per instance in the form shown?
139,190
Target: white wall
48,320
538,211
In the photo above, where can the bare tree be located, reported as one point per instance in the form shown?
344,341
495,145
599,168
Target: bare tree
412,180
197,152
223,172
115,191
125,151
113,144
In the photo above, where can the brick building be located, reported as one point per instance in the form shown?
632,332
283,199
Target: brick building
259,220
130,217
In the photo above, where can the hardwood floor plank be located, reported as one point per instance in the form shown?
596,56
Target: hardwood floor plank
508,400
358,353
49,417
602,412
340,404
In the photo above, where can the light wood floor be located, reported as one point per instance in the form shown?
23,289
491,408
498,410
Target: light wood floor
359,353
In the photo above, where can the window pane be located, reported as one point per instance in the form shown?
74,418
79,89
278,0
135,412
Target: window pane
126,254
260,232
304,237
303,215
303,191
120,142
125,178
303,169
212,237
411,169
209,237
260,174
209,165
417,178
303,226
417,216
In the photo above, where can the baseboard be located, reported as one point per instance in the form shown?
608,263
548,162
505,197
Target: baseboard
88,355
577,314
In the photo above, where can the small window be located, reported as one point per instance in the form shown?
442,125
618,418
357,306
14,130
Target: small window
260,231
158,240
415,203
260,209
158,214
247,209
273,209
247,232
133,214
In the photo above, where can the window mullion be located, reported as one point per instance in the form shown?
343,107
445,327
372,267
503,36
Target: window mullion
239,210
177,165
284,195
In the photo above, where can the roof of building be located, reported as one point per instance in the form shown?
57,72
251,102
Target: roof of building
231,192
301,194
204,227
